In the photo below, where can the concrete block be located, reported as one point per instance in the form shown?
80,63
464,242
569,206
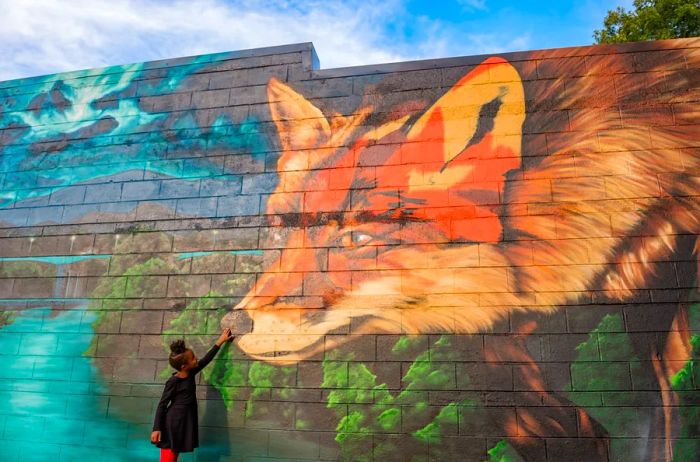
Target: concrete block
210,98
225,185
174,189
199,207
142,322
68,195
262,183
238,205
140,190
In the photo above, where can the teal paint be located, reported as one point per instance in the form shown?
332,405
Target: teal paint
77,109
68,259
51,393
98,128
42,300
58,260
53,398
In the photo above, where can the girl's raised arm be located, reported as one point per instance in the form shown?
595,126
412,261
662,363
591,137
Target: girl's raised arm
225,336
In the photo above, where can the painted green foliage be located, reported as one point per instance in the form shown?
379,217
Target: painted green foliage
231,376
365,407
601,375
6,318
19,268
502,452
128,282
134,276
687,384
196,324
600,384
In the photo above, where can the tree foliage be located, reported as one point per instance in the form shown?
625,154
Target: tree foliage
651,20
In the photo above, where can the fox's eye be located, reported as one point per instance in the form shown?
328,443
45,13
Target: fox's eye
361,238
355,239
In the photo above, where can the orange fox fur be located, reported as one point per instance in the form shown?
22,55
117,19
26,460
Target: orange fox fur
506,195
589,202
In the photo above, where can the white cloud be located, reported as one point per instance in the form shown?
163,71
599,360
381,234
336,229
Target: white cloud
46,36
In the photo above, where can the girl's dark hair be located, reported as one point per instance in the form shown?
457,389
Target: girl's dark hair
177,354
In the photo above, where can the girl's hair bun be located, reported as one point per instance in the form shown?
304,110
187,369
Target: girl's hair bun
177,347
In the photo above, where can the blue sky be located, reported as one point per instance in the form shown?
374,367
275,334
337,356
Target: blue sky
46,36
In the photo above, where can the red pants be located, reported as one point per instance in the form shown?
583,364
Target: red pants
167,455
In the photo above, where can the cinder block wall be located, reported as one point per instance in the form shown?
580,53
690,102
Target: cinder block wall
478,258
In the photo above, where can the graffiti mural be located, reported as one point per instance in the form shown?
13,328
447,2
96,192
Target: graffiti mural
489,259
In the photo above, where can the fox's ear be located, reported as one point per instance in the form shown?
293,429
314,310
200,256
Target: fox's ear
488,102
467,142
300,124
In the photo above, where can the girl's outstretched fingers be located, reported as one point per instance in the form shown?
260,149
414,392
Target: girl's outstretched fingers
226,336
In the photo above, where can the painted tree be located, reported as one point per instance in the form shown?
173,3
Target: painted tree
651,20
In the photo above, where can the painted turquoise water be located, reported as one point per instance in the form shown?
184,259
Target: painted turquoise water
55,406
51,405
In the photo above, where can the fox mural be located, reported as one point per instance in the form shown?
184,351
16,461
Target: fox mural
486,258
446,220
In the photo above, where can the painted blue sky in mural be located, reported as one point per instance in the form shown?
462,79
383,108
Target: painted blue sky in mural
97,33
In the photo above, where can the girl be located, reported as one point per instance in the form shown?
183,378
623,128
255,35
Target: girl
175,426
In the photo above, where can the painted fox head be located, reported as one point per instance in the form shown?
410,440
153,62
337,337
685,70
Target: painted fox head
375,225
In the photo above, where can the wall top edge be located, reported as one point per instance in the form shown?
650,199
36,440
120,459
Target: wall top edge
310,61
514,56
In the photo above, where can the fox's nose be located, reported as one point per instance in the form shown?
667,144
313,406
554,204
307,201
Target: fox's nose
238,321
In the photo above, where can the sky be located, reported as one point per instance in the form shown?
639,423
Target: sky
40,37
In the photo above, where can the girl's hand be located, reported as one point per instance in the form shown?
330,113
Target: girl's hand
155,437
226,336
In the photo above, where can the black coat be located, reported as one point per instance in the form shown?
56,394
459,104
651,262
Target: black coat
176,414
